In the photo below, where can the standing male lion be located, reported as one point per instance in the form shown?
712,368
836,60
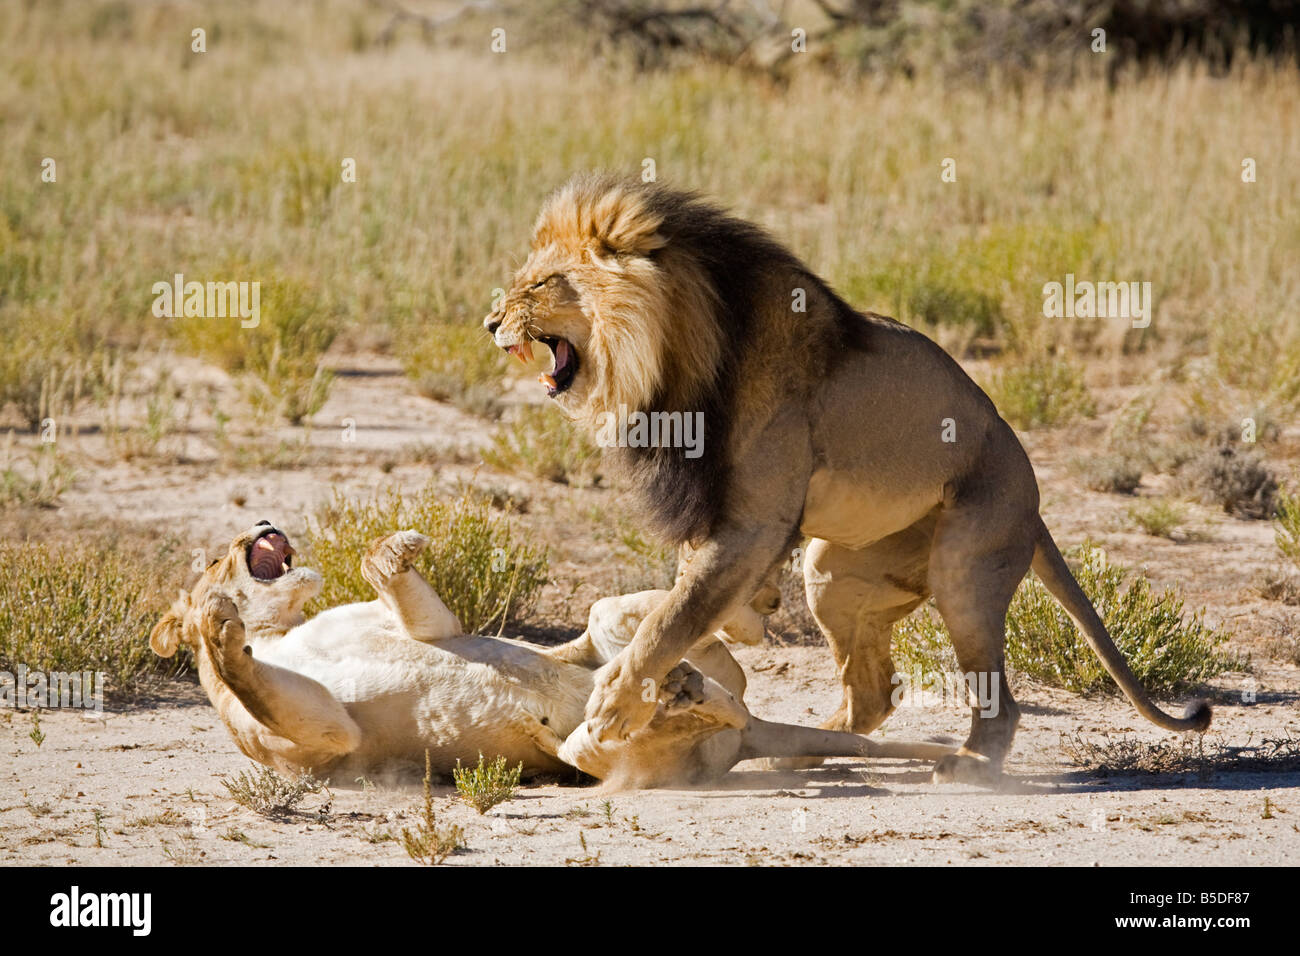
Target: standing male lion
820,421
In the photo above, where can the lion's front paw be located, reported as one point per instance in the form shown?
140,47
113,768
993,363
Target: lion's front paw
620,705
392,555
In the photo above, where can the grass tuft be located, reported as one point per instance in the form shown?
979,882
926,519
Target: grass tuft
430,843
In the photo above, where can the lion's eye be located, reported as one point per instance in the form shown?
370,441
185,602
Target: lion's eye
542,282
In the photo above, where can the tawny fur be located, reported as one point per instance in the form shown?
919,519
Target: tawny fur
370,688
823,423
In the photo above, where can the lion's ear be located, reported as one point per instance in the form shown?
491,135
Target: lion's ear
168,633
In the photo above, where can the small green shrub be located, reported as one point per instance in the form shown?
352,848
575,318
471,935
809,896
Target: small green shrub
486,784
1164,648
280,361
1286,527
88,608
1042,390
485,574
538,441
1157,518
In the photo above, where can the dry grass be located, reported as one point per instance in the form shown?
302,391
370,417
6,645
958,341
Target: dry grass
86,607
269,794
1187,754
227,165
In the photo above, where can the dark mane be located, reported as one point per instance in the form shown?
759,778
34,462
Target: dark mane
681,497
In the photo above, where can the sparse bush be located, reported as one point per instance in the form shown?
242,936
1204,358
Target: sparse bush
430,843
1117,473
1042,390
1184,755
1238,481
1281,586
267,793
486,784
1286,527
1165,649
88,608
457,363
40,478
1156,518
482,571
538,441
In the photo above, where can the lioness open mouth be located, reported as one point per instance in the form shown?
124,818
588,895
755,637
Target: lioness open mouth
269,556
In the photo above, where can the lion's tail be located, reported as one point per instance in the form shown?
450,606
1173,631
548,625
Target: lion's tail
1055,574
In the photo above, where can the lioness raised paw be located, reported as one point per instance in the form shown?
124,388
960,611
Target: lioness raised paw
392,555
223,632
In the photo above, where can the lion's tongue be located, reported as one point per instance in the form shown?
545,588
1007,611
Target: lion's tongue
268,556
561,360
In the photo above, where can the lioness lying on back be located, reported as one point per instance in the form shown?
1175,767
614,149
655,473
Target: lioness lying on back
373,686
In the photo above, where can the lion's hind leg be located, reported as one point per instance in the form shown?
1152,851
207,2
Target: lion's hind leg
979,558
387,566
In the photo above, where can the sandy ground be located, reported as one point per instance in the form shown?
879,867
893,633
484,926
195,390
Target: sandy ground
153,771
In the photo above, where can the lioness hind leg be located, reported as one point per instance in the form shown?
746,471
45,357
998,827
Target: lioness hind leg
974,577
401,588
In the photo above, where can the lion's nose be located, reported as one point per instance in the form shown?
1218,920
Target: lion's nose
492,325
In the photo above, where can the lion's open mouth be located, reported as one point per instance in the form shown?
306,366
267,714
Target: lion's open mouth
269,556
565,365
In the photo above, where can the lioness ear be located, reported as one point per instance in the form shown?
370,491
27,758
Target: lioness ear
168,633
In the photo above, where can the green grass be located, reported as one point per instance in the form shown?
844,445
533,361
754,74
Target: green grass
538,441
1286,526
486,784
227,165
1041,390
455,362
483,570
84,607
1167,649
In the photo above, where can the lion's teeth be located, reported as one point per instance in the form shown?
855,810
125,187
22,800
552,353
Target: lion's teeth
546,380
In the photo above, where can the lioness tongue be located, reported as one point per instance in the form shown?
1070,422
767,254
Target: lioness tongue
267,562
